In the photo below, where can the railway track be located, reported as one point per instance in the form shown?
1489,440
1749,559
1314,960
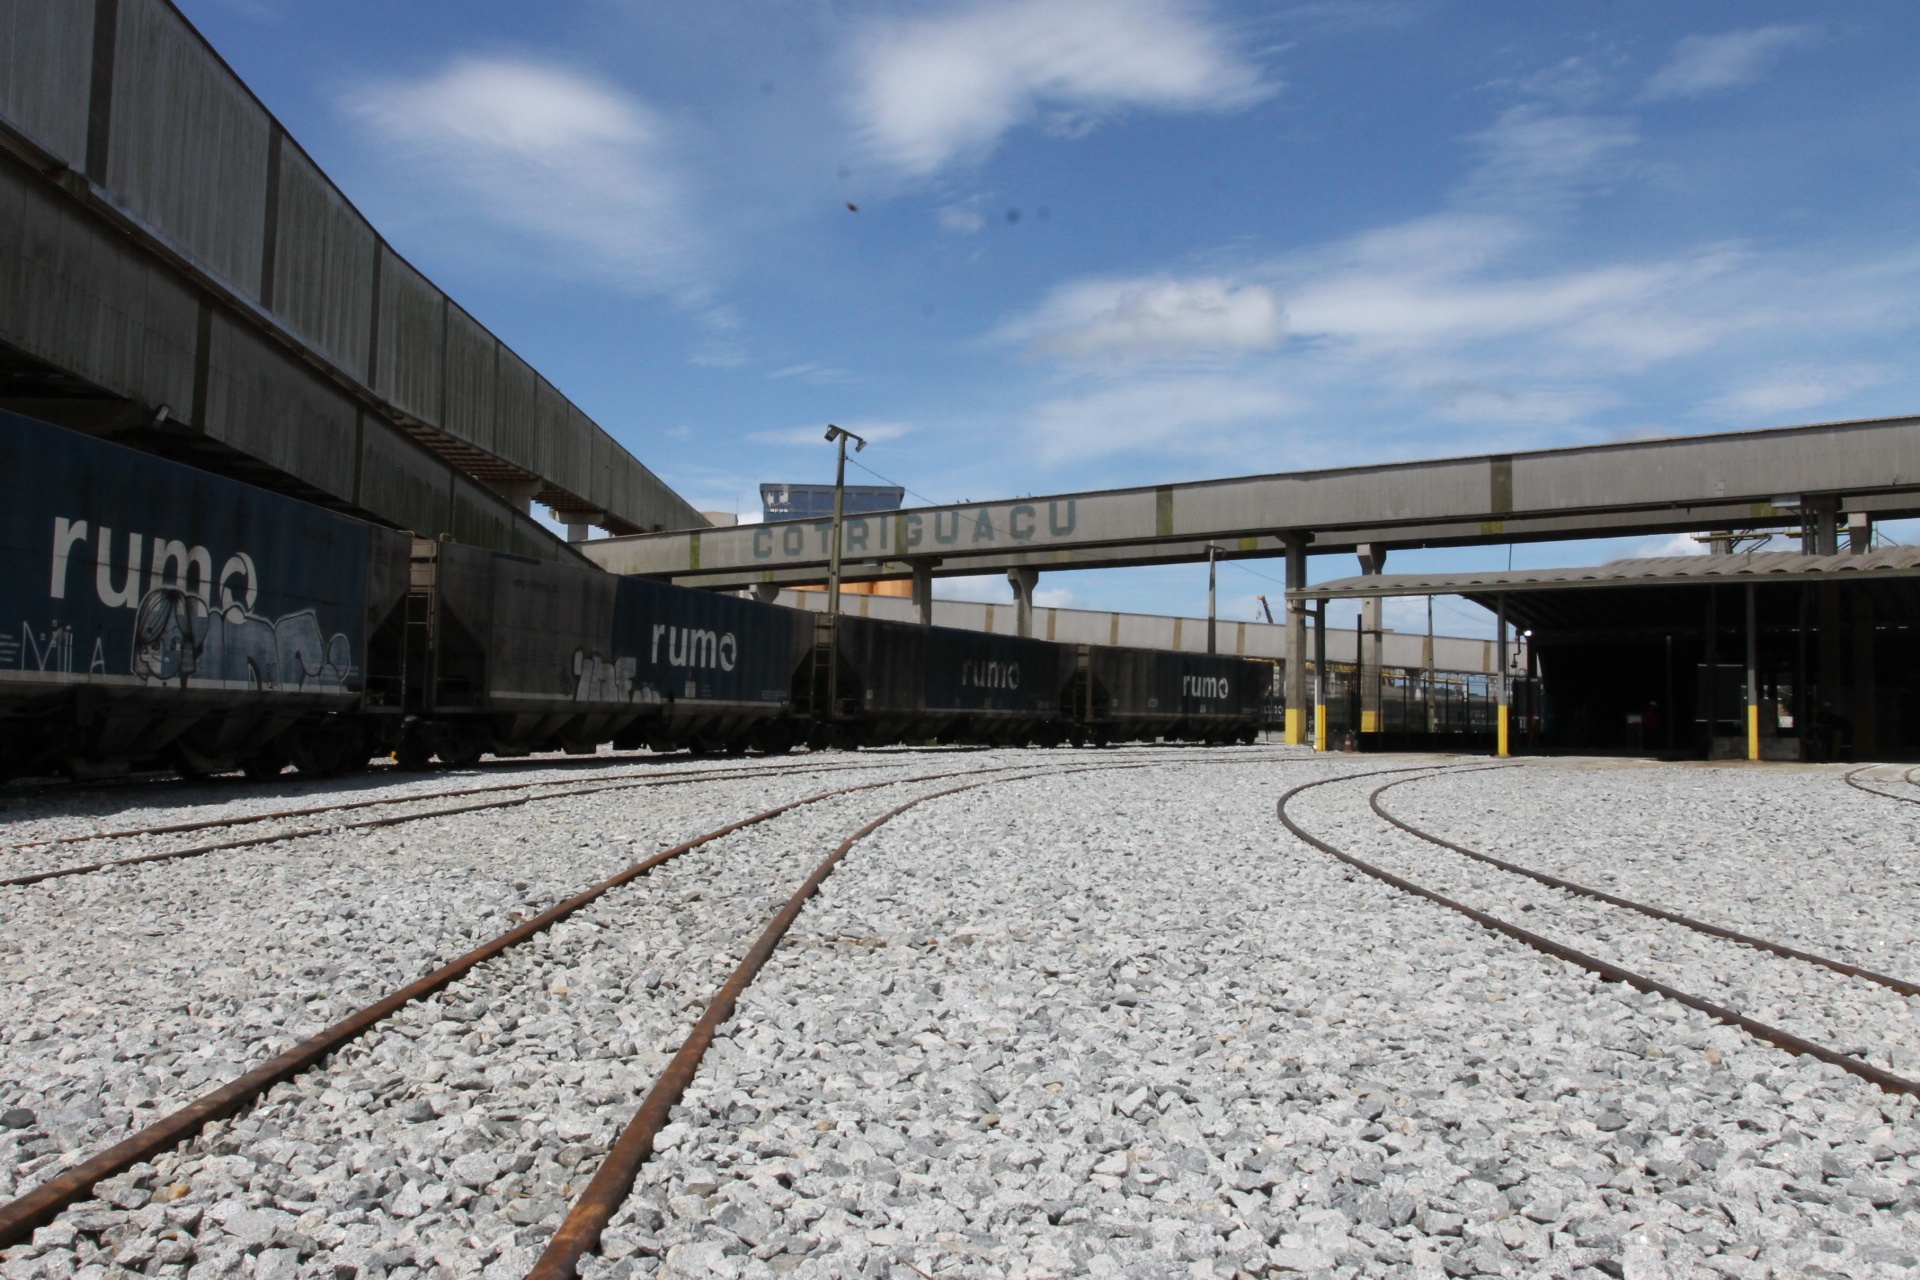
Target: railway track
1853,776
1607,970
42,1203
529,792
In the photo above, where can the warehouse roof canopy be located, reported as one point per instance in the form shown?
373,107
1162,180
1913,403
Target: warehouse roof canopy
1758,566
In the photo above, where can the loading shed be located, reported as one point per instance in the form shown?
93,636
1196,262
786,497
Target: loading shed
1762,655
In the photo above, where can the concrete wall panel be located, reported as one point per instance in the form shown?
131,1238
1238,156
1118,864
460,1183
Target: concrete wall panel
79,297
323,264
402,482
472,375
46,61
516,422
479,517
188,145
263,403
408,372
550,424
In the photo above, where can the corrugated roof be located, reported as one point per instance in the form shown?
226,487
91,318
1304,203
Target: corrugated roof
1771,566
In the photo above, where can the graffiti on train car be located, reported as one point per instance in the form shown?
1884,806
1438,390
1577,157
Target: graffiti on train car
118,565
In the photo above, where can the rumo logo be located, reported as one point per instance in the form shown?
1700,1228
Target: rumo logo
1203,686
692,647
990,675
148,564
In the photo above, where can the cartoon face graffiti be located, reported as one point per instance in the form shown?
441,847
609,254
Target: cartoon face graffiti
169,634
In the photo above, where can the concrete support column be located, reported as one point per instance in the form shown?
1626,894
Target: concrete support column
1297,685
1319,675
579,523
923,590
1372,561
1859,533
518,493
1820,525
1023,582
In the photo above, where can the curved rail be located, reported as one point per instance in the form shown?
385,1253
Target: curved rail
35,1208
1852,777
1604,969
579,1233
39,1206
1902,985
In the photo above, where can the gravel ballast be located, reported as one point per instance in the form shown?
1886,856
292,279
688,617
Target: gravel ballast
1111,1024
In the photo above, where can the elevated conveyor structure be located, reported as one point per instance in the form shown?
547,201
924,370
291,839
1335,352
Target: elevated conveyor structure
175,271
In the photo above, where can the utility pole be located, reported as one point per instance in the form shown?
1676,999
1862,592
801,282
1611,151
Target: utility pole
838,436
1212,598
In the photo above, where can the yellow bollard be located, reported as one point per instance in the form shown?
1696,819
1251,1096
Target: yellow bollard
1753,731
1319,726
1502,729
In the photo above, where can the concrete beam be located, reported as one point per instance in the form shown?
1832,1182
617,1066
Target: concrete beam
1685,483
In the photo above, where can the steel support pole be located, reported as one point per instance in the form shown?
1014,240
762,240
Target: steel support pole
1753,677
1212,598
839,513
1319,675
1372,638
1500,712
1426,661
1297,687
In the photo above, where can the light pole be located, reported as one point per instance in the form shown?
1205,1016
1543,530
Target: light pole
1212,551
839,436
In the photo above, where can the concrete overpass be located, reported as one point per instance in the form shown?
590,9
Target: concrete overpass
177,272
1819,479
1816,477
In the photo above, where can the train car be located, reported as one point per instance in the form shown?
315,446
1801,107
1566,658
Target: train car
155,615
901,682
511,655
1121,694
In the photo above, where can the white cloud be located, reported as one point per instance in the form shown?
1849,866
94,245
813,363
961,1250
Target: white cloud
961,219
1215,415
934,90
1792,391
1156,316
1706,64
1531,156
1451,279
872,432
1674,544
550,153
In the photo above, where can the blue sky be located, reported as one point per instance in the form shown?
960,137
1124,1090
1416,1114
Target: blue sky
1108,242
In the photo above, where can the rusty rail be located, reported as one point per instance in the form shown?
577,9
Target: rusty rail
1605,970
1852,777
39,1206
1902,985
399,819
612,1183
663,777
